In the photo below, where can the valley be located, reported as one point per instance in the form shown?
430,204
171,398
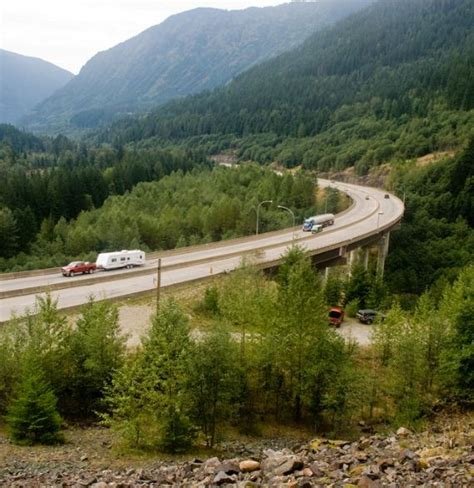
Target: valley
300,180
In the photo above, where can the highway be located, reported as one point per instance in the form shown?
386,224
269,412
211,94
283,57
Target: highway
370,214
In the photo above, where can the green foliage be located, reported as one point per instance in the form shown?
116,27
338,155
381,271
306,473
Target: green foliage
32,417
352,307
458,361
147,399
97,350
8,233
333,290
78,361
210,302
213,382
436,239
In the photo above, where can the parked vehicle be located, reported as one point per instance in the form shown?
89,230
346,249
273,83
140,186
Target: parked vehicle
324,220
77,267
316,229
368,316
120,259
386,195
336,316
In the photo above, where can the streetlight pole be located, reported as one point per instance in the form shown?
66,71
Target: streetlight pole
292,214
378,218
258,213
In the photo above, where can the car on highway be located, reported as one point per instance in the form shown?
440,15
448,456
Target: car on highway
368,316
77,267
317,228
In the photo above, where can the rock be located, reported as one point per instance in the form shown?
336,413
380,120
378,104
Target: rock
403,432
423,464
316,469
100,484
249,465
84,458
366,482
407,454
229,467
290,465
211,464
357,470
222,478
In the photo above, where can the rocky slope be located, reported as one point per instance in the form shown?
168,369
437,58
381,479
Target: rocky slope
442,457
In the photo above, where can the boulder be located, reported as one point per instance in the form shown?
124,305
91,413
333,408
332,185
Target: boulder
249,465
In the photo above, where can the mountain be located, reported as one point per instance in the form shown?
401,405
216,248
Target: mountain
187,53
24,82
393,80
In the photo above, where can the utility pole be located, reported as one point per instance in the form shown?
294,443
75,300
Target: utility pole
158,285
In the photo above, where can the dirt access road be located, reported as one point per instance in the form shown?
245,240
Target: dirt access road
135,320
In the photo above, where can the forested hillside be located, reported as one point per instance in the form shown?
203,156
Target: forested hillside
26,81
46,179
436,240
394,80
187,53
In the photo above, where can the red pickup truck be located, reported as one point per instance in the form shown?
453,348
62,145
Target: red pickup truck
77,267
336,316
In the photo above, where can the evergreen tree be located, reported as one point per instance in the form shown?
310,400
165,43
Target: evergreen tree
213,382
32,417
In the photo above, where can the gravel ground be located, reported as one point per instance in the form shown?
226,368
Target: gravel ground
135,320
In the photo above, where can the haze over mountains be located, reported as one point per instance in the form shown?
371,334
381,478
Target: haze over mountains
187,53
25,81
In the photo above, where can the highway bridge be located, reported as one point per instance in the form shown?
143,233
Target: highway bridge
369,220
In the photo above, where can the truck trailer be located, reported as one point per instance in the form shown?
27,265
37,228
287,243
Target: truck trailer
324,220
120,259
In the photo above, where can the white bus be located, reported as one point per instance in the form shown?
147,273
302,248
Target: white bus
120,259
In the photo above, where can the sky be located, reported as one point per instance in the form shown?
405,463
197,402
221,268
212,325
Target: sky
69,32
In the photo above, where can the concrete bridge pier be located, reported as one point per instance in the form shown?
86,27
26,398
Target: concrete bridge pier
382,253
365,258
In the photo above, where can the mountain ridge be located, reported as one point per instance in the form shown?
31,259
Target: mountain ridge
25,81
187,53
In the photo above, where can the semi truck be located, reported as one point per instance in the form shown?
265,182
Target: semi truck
324,220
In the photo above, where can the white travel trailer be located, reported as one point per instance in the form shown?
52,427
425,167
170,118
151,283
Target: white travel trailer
120,259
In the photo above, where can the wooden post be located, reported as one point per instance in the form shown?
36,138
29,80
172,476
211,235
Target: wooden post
158,285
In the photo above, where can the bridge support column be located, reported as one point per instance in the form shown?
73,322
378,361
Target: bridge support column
383,251
326,274
366,257
351,257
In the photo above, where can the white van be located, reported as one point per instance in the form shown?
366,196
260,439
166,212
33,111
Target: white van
120,259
